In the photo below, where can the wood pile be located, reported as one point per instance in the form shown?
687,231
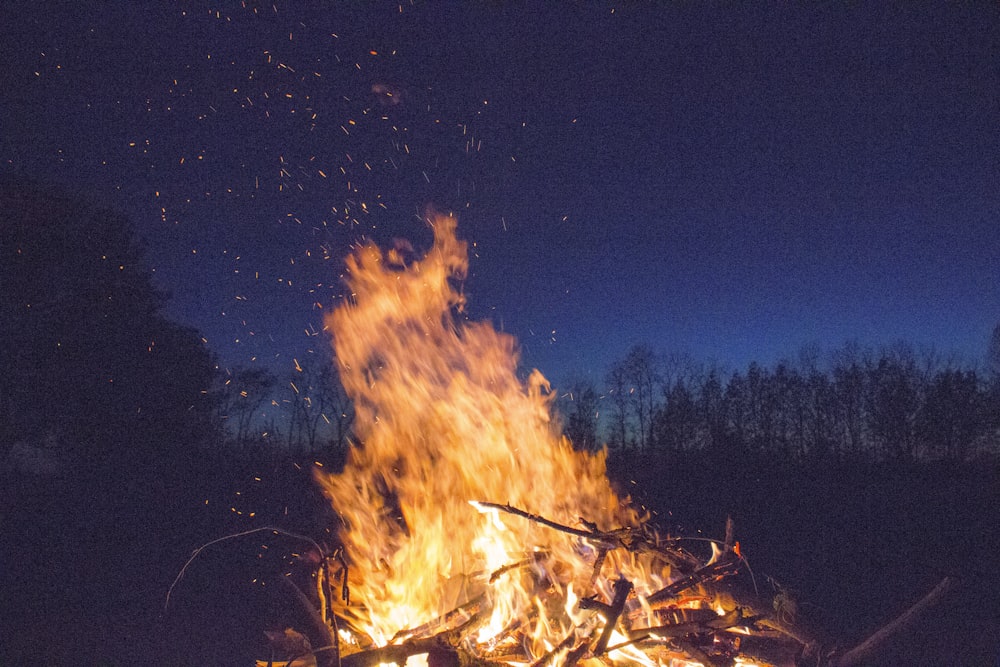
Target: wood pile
711,613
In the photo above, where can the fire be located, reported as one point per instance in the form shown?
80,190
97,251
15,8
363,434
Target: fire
445,421
451,443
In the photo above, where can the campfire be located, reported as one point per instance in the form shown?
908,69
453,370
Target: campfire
474,533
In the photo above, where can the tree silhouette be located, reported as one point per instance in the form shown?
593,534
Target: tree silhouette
888,405
643,376
241,394
618,389
993,355
86,353
579,407
320,411
675,425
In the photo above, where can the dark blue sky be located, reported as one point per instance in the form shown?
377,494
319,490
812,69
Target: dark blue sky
729,183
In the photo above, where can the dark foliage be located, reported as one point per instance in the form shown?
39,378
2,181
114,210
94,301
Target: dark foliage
886,406
105,416
91,367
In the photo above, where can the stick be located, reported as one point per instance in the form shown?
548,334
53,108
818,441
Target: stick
731,619
622,589
871,645
510,509
398,653
719,569
466,612
547,659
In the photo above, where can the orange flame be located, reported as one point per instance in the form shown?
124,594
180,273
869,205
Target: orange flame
443,421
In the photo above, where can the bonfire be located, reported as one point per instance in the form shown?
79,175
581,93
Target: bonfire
472,532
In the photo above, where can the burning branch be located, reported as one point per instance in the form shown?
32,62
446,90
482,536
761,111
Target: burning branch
707,573
609,540
622,589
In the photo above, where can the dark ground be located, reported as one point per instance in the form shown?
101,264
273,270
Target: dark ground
857,544
87,559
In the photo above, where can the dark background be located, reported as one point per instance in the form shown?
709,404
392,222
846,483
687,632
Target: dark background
729,182
681,190
854,486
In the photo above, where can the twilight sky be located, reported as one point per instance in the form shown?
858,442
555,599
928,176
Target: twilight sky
732,183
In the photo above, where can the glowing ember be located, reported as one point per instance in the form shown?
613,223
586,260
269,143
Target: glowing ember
444,422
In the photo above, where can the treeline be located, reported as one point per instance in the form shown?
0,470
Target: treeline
889,404
96,376
305,411
93,371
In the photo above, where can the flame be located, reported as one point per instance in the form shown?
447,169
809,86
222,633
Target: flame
443,420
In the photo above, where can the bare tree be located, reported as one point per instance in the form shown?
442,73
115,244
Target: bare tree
320,413
618,390
240,398
580,409
642,375
894,401
850,388
953,416
339,410
993,356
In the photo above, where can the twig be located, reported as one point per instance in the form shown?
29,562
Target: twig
602,555
395,653
718,569
622,589
731,619
398,653
535,558
547,659
466,612
510,509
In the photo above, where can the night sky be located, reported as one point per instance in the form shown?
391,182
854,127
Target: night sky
733,183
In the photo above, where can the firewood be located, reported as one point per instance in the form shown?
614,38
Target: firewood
622,589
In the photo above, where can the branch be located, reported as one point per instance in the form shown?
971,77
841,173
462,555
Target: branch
588,534
731,619
622,589
440,644
463,614
707,573
865,649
